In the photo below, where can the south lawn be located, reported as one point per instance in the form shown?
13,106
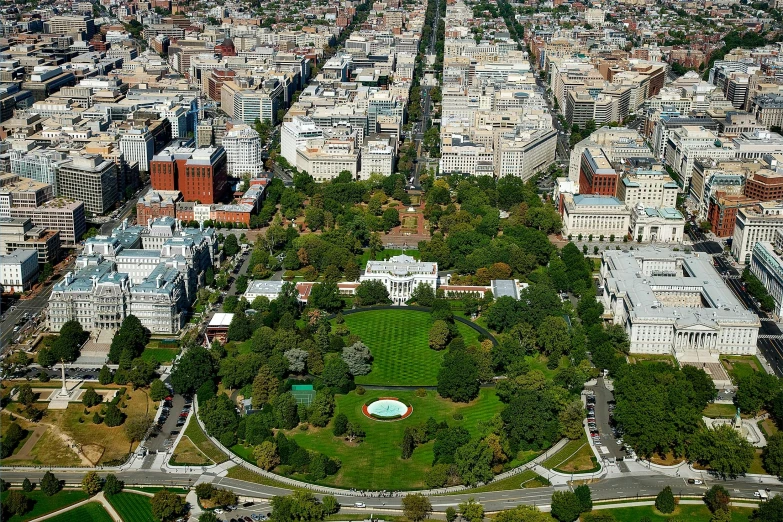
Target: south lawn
399,343
133,507
375,463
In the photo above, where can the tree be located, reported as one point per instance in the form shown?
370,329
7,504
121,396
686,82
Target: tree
439,335
105,376
49,484
113,417
474,462
16,503
423,295
773,454
301,506
132,336
664,502
91,483
458,378
337,375
192,369
358,358
167,505
266,455
340,425
112,485
26,395
158,390
326,296
717,498
416,507
571,418
265,387
471,511
448,441
723,449
66,347
770,511
230,245
286,411
522,513
553,337
390,218
320,411
372,292
565,506
297,360
451,514
27,486
137,427
585,498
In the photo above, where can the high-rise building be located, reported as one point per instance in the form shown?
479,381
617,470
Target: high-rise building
295,133
596,175
243,151
204,177
91,179
138,146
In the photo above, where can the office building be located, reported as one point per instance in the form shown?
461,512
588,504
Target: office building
89,178
755,224
243,151
675,303
18,271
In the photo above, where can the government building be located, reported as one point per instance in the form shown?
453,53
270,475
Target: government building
673,302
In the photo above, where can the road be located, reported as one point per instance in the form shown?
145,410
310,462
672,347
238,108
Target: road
626,486
125,211
770,347
33,307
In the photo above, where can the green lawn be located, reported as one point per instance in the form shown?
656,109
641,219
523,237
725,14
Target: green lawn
376,463
43,504
159,355
132,507
200,440
398,341
691,513
741,370
526,479
92,512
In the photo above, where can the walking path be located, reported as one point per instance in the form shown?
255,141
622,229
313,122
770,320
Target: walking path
640,503
97,498
24,451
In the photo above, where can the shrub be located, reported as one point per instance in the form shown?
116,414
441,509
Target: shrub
421,392
664,502
360,390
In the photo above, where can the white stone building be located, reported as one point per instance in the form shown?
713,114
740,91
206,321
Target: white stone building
401,275
377,158
657,225
755,224
673,302
767,265
138,146
243,150
589,214
18,270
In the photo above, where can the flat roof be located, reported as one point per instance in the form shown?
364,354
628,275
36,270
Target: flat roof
220,320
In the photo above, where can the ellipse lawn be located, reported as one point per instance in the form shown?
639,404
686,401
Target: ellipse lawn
399,343
376,463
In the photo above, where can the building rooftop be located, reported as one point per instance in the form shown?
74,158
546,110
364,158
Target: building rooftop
401,265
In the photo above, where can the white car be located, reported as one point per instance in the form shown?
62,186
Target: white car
219,511
698,482
359,504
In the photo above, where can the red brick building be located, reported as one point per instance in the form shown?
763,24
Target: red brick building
204,176
226,48
764,185
215,81
157,204
722,212
596,174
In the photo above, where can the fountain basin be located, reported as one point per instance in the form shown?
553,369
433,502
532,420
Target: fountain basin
387,409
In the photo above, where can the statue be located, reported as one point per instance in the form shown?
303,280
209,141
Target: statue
737,420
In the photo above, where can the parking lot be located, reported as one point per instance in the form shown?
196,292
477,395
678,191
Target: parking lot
85,374
604,435
169,424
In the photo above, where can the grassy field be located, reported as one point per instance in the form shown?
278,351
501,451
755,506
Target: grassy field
160,355
92,512
376,463
715,411
741,366
398,341
197,437
691,513
50,449
526,479
576,456
43,504
240,473
132,507
186,453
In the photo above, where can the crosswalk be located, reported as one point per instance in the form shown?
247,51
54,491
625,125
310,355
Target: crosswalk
768,336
